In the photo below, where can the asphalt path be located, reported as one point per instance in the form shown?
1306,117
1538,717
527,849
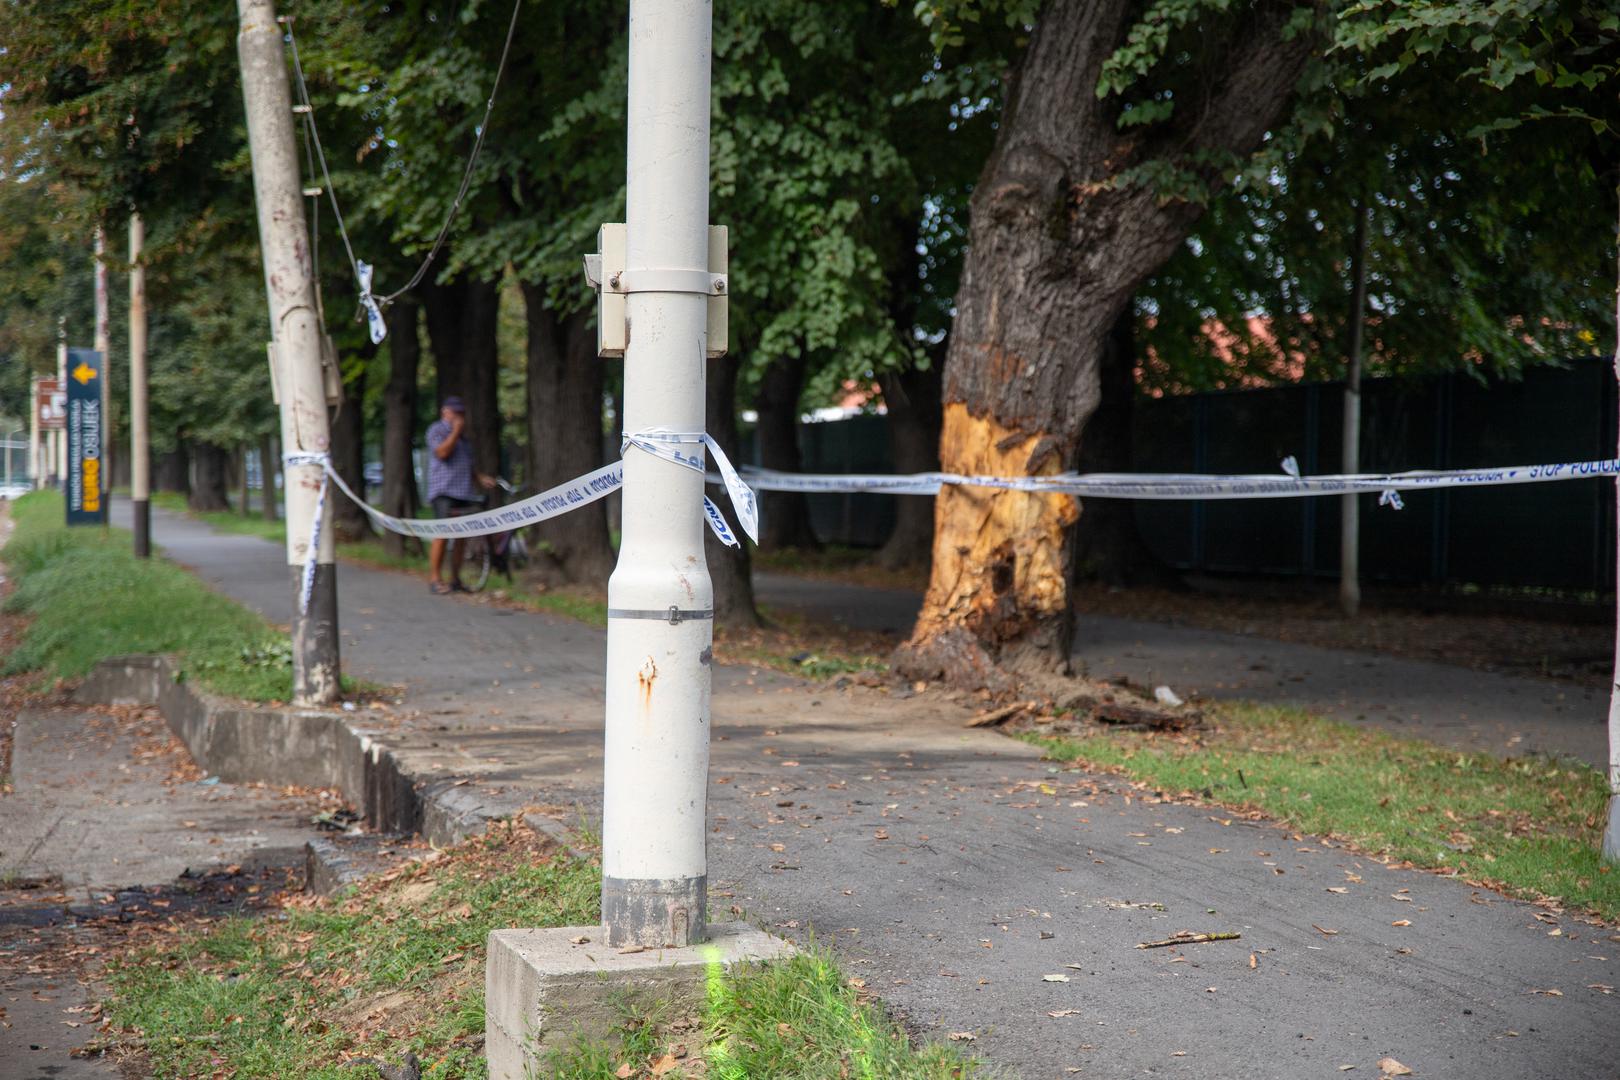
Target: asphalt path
978,890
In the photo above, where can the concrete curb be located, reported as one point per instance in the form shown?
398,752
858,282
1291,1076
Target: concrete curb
304,747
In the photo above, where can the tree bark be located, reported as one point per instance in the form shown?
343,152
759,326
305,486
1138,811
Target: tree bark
1108,546
564,379
349,522
912,407
462,318
211,487
1055,252
400,496
784,516
730,569
242,480
173,472
481,369
269,469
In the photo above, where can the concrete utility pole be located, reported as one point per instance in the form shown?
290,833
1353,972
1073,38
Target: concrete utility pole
103,345
34,470
59,436
140,453
1350,517
297,333
660,601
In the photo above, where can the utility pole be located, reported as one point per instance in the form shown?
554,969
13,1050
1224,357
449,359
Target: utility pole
296,333
140,453
59,436
660,601
103,345
34,472
1350,516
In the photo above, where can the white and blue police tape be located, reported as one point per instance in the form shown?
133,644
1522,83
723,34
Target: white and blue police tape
1159,486
1185,485
667,445
374,315
307,584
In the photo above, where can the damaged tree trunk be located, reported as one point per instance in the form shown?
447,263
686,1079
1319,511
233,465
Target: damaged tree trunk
565,437
1055,251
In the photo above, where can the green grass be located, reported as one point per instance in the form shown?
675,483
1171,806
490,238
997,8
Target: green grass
1531,826
397,966
89,598
798,1018
290,997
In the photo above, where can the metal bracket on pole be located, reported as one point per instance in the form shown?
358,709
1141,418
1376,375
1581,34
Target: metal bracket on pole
606,272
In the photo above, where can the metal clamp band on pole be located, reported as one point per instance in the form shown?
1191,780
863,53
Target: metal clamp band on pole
657,279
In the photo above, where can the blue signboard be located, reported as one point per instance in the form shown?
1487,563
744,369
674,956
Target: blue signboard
85,505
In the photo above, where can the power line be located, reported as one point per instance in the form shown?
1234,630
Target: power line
362,273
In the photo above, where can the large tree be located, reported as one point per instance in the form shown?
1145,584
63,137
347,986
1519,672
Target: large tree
1073,210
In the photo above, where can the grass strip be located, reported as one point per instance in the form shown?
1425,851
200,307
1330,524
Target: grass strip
89,598
1530,826
397,965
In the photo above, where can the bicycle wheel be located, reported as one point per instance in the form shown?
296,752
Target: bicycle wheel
477,562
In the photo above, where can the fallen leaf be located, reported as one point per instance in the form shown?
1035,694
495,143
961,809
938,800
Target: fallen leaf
663,1065
1401,922
1339,889
778,847
1323,930
1058,1014
581,940
1254,961
881,834
1602,988
962,1036
1346,1068
624,1072
1391,1067
1549,993
628,949
1054,978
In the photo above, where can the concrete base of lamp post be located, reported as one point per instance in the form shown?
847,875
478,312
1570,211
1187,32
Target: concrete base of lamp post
544,988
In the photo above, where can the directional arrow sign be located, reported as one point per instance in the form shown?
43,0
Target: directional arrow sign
84,420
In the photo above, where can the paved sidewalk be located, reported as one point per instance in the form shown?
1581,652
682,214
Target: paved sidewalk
954,872
104,804
1473,710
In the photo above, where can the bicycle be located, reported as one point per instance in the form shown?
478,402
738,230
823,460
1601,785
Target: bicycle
501,552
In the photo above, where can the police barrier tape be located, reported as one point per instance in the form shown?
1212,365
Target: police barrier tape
668,445
548,504
1185,485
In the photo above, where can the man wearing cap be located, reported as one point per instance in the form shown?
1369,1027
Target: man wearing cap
452,487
